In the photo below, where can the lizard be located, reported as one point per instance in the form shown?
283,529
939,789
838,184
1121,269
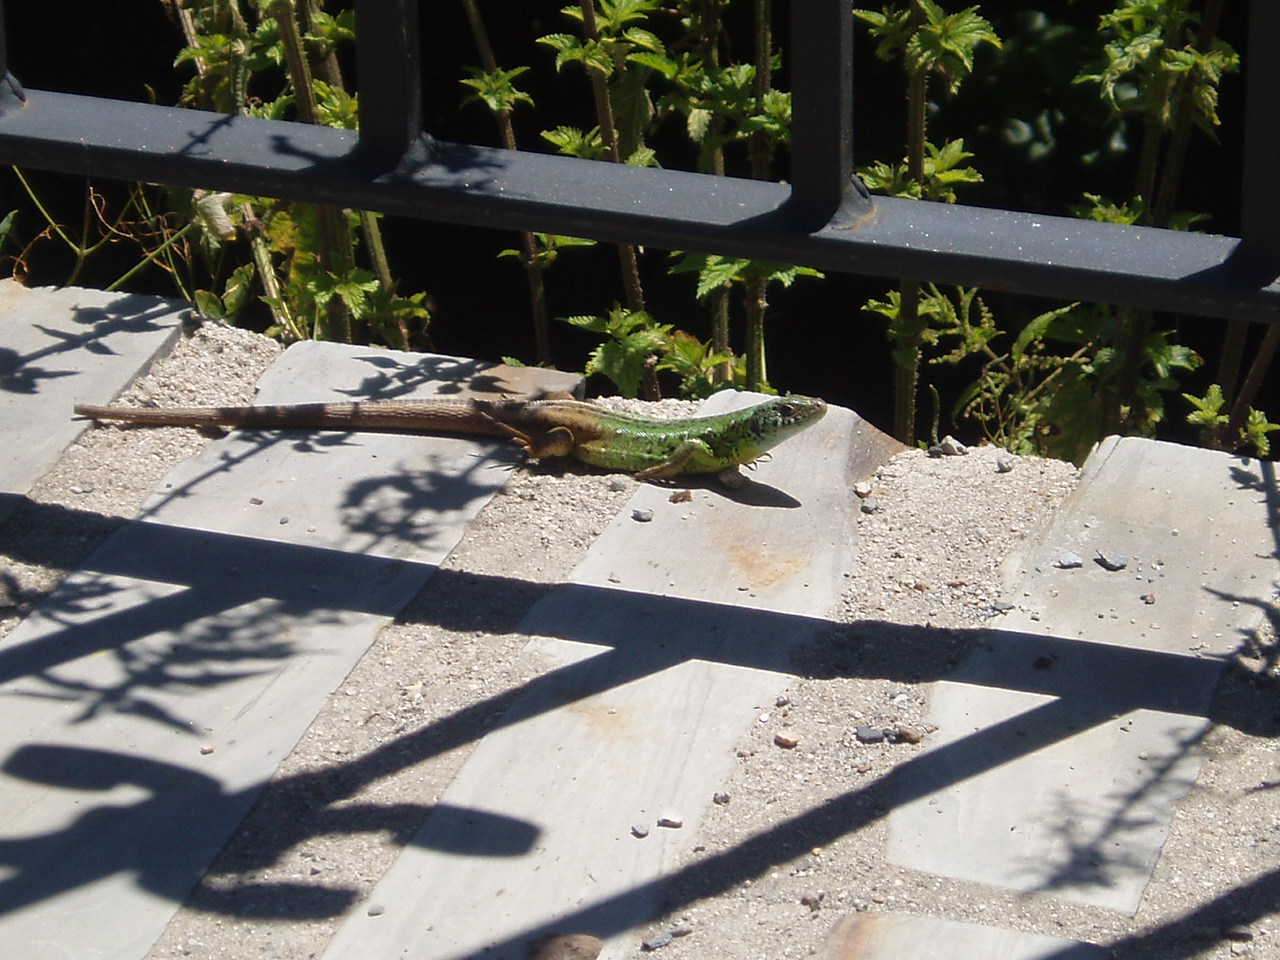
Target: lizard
647,447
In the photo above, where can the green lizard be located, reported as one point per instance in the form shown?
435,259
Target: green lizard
652,449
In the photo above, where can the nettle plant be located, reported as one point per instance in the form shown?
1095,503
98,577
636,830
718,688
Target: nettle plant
1074,373
647,65
322,272
663,85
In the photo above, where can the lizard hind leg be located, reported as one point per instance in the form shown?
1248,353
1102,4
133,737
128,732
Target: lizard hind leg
556,442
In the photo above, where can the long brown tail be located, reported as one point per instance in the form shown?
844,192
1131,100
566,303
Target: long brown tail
406,416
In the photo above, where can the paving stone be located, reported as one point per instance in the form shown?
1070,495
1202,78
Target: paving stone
668,636
146,702
1067,737
60,347
885,936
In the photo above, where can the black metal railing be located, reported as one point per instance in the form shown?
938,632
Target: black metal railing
823,219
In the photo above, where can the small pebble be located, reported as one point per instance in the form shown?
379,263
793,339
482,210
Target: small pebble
671,823
951,447
657,941
376,910
869,735
1066,560
639,831
785,742
1005,463
862,489
642,516
720,798
206,749
1112,561
870,505
906,733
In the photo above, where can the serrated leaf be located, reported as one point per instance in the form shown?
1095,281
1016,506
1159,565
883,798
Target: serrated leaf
1037,328
656,62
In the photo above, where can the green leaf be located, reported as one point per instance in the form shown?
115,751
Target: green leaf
945,43
496,90
656,62
573,142
335,107
1208,409
6,225
1038,328
210,305
643,157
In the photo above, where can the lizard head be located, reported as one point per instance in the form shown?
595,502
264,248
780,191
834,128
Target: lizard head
775,420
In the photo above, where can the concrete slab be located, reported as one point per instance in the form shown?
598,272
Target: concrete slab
59,347
145,703
669,637
1067,737
886,936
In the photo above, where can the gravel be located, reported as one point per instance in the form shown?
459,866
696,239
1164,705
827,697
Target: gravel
930,555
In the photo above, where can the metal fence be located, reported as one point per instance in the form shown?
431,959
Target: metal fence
822,219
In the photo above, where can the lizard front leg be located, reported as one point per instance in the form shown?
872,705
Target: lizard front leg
675,464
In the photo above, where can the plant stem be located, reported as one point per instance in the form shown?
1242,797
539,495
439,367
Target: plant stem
35,200
906,375
1252,382
528,243
1183,121
151,255
758,144
754,306
279,307
377,250
906,355
609,135
333,232
322,60
1232,356
722,372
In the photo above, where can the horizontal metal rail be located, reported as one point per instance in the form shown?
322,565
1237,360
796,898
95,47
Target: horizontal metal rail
452,183
823,222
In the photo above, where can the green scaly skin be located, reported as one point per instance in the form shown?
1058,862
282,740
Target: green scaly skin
657,449
650,448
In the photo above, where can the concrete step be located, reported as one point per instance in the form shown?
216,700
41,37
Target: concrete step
60,347
147,701
887,936
1069,734
668,636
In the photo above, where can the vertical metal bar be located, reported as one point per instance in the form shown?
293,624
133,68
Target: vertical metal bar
1260,184
821,66
388,78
